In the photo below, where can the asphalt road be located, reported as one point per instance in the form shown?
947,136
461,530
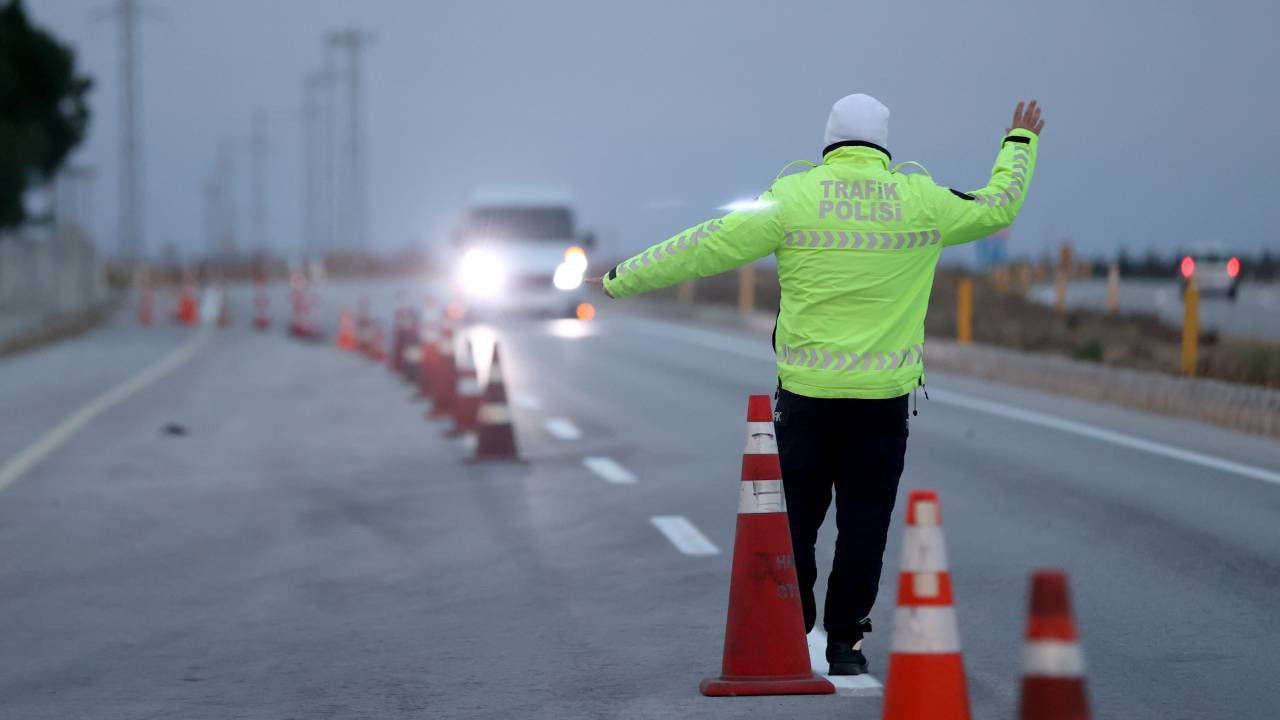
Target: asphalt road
1252,315
271,530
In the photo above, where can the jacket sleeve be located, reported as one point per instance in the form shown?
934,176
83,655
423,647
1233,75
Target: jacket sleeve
703,250
965,217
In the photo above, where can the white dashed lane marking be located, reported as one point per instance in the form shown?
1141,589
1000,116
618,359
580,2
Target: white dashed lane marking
562,428
687,538
609,469
855,685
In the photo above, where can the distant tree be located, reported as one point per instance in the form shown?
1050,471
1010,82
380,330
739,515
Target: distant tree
43,114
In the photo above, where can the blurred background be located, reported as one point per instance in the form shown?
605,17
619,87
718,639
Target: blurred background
207,509
248,136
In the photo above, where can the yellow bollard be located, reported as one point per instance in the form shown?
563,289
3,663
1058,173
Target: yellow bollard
1061,277
1002,279
964,311
746,289
1113,289
1024,279
1190,327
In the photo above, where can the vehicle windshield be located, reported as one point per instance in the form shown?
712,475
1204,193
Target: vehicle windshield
522,223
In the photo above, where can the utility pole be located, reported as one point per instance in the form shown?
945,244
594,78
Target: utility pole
212,214
312,180
224,175
130,224
355,225
331,192
258,183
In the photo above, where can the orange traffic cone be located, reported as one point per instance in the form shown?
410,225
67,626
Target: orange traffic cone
261,320
1052,663
444,384
466,405
495,436
144,305
410,351
346,331
926,669
224,307
396,353
363,325
429,364
187,306
765,650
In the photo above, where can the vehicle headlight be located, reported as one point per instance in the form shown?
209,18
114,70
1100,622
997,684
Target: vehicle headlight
568,276
482,272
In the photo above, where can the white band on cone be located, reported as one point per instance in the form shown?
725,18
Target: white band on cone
761,496
494,414
927,629
1052,658
412,354
760,440
468,386
926,584
923,549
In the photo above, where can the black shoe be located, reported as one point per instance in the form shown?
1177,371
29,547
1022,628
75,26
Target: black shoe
844,659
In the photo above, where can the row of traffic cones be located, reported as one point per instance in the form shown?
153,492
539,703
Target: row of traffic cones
187,305
431,355
765,650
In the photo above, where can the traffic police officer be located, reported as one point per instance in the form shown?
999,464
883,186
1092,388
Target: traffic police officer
856,244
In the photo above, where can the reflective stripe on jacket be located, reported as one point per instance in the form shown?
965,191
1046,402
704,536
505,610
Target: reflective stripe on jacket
856,246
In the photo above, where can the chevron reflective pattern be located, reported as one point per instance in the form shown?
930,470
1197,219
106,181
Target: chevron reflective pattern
850,240
846,361
670,248
1014,190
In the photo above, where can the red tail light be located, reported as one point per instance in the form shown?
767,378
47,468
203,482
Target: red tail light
1188,267
1233,267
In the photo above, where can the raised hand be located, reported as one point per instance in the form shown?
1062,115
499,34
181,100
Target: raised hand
1028,119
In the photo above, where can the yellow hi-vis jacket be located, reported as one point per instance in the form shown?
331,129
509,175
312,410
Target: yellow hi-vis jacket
856,245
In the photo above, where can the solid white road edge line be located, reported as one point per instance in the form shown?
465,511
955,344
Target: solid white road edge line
19,464
738,346
865,685
562,428
687,538
1115,438
609,469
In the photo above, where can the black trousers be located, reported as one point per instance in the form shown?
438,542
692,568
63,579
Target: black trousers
856,447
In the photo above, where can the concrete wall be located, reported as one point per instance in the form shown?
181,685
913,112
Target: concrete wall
47,275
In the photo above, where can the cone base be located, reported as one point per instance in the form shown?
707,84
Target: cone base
722,687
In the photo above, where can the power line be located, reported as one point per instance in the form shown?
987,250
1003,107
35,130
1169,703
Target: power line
130,224
258,182
354,223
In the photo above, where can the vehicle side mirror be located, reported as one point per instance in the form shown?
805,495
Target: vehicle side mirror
588,239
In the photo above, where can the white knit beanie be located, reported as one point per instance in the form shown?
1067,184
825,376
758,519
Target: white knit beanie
858,117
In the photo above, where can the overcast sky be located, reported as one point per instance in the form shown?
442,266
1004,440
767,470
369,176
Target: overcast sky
1161,116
